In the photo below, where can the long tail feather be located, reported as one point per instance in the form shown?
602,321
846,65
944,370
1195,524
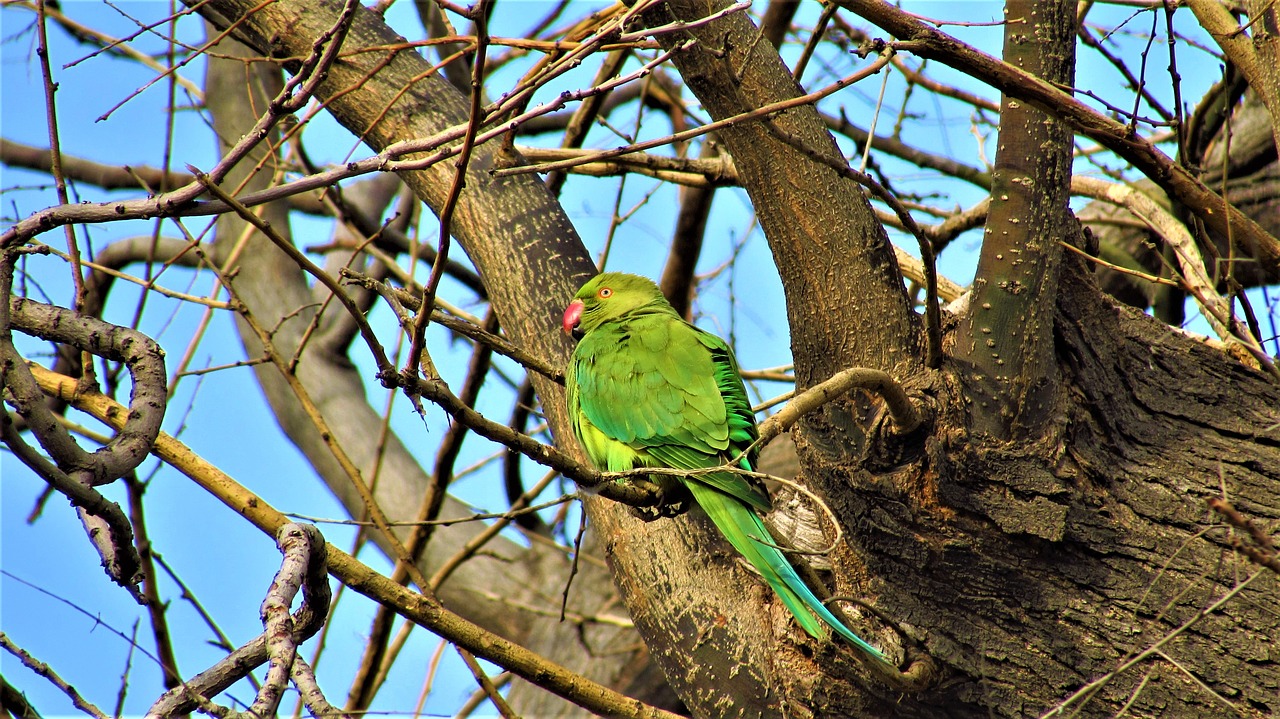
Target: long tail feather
746,532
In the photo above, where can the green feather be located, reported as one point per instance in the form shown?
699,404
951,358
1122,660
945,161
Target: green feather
647,389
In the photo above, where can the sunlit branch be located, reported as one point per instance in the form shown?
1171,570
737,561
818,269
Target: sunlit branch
44,670
304,678
1195,278
917,77
468,550
904,413
109,44
636,494
932,311
135,249
749,116
1244,52
413,606
304,565
181,202
157,608
450,521
108,528
110,533
417,334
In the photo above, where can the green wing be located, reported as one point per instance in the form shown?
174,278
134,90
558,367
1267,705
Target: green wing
670,394
651,390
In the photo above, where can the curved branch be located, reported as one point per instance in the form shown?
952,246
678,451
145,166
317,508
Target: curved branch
148,398
115,545
1217,310
305,564
899,404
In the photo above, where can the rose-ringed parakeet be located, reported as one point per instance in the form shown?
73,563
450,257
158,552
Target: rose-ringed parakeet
647,389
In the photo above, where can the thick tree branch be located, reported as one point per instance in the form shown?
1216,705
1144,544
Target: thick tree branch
304,566
736,73
1006,337
1253,57
78,471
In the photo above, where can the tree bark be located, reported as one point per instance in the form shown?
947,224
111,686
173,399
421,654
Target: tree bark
1005,341
528,289
1024,569
1031,569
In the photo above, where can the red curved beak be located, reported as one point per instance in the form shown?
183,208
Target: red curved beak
572,315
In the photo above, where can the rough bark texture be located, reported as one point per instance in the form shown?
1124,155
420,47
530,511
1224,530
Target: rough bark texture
532,261
1025,570
1033,569
816,221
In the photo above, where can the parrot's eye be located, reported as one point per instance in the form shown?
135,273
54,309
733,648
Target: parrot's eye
604,292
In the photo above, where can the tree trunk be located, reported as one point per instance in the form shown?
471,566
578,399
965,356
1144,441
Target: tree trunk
1005,342
1024,569
528,289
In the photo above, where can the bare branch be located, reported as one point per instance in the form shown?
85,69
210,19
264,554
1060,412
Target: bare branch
900,406
304,566
47,672
411,605
1219,216
1196,280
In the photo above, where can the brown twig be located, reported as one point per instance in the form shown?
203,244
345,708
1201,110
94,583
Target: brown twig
479,16
304,678
1217,214
1264,553
371,339
899,404
408,300
47,672
487,685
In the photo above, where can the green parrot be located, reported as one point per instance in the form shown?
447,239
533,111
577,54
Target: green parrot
647,389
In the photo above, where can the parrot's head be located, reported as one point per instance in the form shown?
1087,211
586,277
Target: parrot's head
610,295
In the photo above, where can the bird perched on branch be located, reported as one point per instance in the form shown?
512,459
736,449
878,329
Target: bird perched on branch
648,389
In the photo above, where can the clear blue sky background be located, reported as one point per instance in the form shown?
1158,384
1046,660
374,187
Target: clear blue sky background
55,601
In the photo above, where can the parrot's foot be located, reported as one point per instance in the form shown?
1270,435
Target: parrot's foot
673,501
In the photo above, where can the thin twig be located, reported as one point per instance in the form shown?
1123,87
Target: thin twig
479,16
487,685
1264,554
371,339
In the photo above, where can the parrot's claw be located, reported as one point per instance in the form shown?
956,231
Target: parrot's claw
666,510
674,500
